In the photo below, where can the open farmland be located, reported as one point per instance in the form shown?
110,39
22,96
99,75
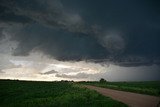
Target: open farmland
51,94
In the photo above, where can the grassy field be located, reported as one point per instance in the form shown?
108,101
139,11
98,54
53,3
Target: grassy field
51,94
150,88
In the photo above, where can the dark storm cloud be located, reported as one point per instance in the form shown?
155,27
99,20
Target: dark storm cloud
47,12
7,14
129,61
60,45
85,30
1,34
69,42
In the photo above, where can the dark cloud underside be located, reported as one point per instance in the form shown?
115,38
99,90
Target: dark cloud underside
126,32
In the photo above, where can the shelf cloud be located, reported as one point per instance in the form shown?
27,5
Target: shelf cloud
125,33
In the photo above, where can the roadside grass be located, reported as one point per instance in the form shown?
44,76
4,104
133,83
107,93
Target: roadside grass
51,94
150,87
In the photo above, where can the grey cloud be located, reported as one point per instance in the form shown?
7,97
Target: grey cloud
77,76
6,64
50,72
1,71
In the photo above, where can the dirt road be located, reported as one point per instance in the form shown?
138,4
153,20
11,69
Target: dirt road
129,98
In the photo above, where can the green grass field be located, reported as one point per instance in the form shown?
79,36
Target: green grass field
150,88
51,94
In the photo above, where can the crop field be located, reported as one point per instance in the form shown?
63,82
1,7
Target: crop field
150,88
51,94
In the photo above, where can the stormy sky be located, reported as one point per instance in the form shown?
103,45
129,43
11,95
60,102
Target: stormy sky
80,40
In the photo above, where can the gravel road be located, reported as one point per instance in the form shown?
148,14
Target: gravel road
129,98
